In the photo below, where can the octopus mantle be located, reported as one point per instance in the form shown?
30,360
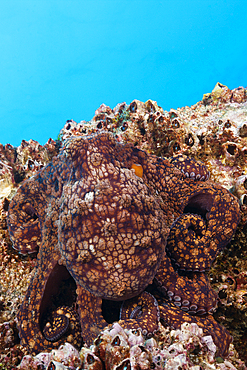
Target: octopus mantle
113,223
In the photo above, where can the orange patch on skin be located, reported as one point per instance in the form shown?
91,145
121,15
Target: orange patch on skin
138,169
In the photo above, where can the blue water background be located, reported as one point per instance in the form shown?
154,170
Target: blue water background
61,59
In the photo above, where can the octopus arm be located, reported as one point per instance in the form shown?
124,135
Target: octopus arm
29,313
28,208
191,168
36,331
90,313
174,317
209,218
24,217
194,295
141,312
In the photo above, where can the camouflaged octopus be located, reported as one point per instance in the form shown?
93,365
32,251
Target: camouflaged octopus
114,223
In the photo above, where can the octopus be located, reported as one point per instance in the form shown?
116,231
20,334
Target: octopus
118,231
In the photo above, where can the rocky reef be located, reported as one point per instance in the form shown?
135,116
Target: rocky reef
118,349
214,130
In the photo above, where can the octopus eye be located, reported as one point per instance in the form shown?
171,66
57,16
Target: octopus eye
138,169
30,212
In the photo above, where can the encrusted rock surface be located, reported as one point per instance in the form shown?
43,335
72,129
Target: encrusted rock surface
214,131
118,349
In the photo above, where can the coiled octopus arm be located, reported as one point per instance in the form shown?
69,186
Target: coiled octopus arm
204,219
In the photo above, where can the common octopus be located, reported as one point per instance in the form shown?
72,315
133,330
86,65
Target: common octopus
113,223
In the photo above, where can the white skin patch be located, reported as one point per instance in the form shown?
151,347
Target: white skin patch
91,247
89,197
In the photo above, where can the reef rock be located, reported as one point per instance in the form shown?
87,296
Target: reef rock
214,130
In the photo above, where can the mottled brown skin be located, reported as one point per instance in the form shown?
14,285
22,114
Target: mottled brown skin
102,212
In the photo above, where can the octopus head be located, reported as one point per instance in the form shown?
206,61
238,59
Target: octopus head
111,230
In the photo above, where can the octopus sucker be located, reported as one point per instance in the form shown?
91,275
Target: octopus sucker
190,167
112,223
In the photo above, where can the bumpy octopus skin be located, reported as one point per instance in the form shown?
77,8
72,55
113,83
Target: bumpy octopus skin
110,220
